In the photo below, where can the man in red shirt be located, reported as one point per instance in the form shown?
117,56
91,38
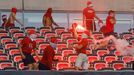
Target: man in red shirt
12,18
88,17
110,23
26,47
48,56
82,59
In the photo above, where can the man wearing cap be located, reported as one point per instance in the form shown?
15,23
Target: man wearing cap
88,17
10,22
82,59
48,56
4,19
26,47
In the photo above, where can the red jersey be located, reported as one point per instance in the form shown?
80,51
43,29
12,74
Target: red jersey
28,45
84,43
48,56
109,25
89,13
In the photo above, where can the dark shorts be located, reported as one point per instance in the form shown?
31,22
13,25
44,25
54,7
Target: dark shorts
43,67
29,59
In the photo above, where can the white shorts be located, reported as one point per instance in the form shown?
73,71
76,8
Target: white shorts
82,61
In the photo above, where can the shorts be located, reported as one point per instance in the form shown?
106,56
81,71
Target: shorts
43,67
29,59
82,60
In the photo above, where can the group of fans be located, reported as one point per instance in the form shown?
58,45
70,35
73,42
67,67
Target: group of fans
45,63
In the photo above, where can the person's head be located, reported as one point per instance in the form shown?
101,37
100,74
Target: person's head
111,13
4,18
53,42
14,10
89,4
74,25
32,35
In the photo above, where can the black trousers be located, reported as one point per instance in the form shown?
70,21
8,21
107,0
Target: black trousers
43,67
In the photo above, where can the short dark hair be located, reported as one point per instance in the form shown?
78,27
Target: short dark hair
111,11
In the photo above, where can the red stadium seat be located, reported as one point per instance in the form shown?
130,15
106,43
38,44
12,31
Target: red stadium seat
72,58
14,51
2,34
61,45
59,30
88,52
20,65
65,35
126,35
5,64
97,35
15,29
2,51
117,53
40,40
110,59
48,35
18,34
30,29
6,39
62,65
4,57
19,39
66,52
37,58
9,45
118,65
127,60
71,40
99,65
42,46
92,58
59,57
102,52
43,30
17,58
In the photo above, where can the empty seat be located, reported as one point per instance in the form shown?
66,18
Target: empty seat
118,65
66,52
59,30
71,40
13,51
6,39
101,52
126,35
9,45
18,34
19,39
17,58
2,34
59,57
97,35
65,35
62,65
6,64
99,65
61,45
4,57
43,30
14,29
30,29
40,40
92,58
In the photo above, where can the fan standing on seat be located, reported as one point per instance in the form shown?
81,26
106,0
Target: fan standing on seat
88,17
48,19
12,18
26,47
